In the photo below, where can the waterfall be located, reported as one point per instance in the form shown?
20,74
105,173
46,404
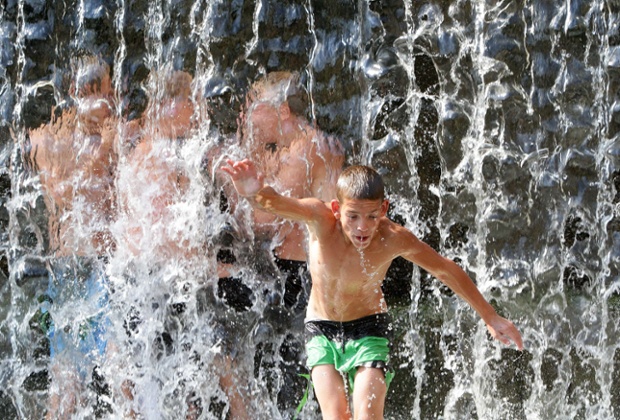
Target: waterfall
494,124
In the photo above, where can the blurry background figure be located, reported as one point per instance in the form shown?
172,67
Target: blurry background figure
153,177
161,241
304,162
75,158
295,154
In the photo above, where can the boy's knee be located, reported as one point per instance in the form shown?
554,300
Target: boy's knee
340,412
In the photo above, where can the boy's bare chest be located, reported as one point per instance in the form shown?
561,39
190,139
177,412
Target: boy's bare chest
291,172
348,267
346,285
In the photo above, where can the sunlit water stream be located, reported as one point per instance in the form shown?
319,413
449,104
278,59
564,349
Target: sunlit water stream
495,125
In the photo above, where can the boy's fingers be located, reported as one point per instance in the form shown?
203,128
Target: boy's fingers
239,164
512,336
507,335
519,342
231,170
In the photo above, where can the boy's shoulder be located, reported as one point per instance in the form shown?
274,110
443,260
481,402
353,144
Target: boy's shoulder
322,209
395,234
390,226
323,223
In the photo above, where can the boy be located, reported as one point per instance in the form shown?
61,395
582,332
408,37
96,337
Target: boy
299,158
351,246
76,161
292,152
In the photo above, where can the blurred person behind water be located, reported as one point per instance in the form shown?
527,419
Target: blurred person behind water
163,243
297,156
153,177
75,158
304,162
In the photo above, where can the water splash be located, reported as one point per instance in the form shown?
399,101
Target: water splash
494,125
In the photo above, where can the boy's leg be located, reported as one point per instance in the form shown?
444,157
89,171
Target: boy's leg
369,393
64,392
232,386
329,389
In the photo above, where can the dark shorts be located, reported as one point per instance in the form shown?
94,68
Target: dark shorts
293,278
280,309
363,342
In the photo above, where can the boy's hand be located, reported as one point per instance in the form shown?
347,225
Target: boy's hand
503,330
246,179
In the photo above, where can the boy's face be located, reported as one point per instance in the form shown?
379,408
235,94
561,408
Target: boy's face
359,219
176,116
263,121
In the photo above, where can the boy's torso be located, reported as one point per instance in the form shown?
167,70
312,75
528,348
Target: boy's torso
76,171
346,282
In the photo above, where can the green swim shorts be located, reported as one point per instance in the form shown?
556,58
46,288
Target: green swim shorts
364,342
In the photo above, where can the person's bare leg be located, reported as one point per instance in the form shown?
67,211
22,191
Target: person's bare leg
63,392
230,384
127,389
330,391
369,393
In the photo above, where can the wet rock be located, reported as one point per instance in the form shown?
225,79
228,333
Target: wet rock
515,378
7,409
574,230
550,368
37,108
465,407
615,387
457,235
575,278
30,269
583,390
37,381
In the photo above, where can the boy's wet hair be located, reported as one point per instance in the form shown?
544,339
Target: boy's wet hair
359,182
278,87
89,74
171,84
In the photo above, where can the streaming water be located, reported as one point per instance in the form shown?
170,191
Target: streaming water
495,125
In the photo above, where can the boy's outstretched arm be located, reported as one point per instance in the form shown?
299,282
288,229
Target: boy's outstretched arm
249,184
453,276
